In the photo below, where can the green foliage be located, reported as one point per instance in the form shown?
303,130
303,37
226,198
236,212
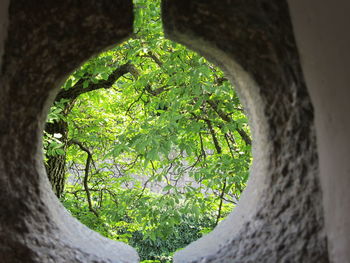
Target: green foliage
156,225
172,120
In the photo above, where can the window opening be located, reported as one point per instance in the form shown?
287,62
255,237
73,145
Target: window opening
147,143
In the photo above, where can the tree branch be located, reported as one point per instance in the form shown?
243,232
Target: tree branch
154,58
213,135
221,202
86,175
202,146
79,89
226,118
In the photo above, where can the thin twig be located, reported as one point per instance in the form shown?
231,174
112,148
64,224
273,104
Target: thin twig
86,175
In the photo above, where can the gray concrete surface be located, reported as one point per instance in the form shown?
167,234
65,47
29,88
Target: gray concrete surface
297,204
322,33
280,216
45,41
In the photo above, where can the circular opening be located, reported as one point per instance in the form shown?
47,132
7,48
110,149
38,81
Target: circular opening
147,143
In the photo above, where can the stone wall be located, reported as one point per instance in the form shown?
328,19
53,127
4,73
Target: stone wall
46,41
254,40
281,216
321,29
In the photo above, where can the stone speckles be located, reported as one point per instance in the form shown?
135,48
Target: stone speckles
280,218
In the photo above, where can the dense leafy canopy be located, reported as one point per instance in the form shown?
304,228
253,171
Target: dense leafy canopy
157,145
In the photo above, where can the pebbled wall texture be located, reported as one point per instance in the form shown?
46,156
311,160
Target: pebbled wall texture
46,40
286,219
280,217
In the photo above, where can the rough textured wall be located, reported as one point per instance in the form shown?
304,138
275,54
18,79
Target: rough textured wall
46,40
288,224
321,30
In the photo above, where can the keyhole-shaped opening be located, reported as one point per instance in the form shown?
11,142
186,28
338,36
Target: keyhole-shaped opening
147,143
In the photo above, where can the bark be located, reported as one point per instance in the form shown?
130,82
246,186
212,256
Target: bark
56,164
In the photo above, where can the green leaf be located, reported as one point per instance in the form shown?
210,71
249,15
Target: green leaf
167,188
85,84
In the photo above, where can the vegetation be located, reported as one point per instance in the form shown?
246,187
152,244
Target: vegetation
147,143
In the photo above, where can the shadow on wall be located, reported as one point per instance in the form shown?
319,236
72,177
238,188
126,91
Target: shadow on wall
280,216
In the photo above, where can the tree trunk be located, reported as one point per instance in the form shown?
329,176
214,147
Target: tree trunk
56,164
56,170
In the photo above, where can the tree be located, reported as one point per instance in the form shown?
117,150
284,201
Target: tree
57,126
148,112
